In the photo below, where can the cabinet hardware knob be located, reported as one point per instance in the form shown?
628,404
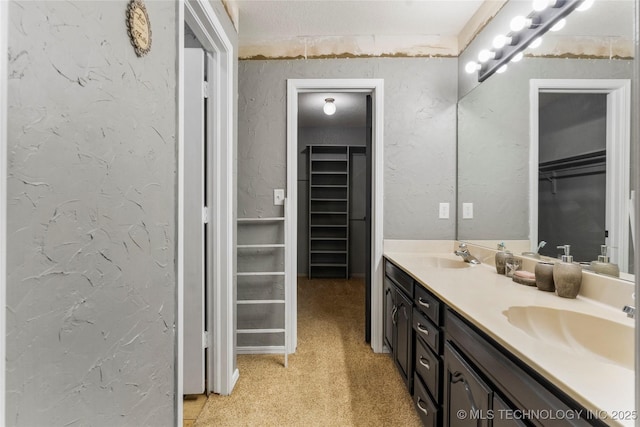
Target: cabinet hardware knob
423,409
423,363
423,329
423,302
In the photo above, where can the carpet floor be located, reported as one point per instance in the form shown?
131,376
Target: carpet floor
333,379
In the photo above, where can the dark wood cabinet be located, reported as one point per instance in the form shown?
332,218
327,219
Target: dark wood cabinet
458,376
389,313
467,397
402,346
398,309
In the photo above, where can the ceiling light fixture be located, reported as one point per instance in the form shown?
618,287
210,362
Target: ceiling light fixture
329,106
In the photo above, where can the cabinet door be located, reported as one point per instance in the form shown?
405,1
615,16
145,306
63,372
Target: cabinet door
503,416
403,348
467,397
389,312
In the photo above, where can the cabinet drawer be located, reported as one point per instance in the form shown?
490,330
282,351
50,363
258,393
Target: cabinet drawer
427,410
427,303
400,278
428,368
426,330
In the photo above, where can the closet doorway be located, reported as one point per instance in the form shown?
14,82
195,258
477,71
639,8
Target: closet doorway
335,222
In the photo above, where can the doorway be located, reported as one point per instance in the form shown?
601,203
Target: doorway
604,163
374,88
333,190
211,28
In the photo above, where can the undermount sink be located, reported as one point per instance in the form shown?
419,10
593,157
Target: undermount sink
584,334
444,262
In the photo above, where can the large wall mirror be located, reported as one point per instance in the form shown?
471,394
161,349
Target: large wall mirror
543,149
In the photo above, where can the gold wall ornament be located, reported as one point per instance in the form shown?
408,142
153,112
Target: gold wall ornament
139,27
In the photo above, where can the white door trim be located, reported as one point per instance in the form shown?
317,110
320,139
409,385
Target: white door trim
376,88
4,48
222,122
618,154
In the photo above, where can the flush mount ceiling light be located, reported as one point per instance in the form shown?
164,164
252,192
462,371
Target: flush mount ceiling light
329,106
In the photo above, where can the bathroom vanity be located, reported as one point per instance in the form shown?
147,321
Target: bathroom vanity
477,349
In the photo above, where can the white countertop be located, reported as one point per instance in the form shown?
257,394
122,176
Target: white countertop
481,296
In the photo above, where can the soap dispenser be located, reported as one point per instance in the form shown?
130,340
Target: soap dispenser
603,266
501,258
567,275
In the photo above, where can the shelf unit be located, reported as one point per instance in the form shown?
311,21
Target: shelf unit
262,289
328,210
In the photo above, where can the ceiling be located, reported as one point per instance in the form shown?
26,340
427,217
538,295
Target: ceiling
313,28
350,110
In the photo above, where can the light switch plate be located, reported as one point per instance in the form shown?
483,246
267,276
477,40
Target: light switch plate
278,196
467,211
444,211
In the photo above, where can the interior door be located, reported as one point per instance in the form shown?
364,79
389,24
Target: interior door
194,222
367,222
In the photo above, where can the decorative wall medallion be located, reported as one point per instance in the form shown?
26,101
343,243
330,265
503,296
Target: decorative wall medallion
138,27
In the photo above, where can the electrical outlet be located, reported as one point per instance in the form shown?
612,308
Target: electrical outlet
467,211
278,197
444,211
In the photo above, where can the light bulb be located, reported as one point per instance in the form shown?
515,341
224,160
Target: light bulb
536,43
559,25
499,41
471,67
502,69
586,4
540,5
485,54
329,107
518,57
519,23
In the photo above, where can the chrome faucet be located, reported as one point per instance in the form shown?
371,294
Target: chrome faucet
630,310
466,256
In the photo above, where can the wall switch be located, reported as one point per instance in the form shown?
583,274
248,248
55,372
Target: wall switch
278,197
444,211
467,211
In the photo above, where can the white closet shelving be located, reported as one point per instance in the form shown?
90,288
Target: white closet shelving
262,288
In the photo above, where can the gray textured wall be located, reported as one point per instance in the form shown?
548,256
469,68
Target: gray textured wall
91,216
493,143
419,136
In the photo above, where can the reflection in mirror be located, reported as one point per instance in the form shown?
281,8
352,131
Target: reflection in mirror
495,161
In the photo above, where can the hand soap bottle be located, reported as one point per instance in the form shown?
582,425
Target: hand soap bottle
501,258
603,266
567,275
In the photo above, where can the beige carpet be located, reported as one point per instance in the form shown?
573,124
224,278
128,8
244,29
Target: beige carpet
334,379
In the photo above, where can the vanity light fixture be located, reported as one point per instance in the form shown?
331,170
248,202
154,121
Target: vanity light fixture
329,106
525,32
586,4
502,69
536,43
517,58
472,67
559,25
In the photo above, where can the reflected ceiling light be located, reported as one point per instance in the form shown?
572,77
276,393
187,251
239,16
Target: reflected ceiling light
519,23
540,5
472,67
485,54
586,4
499,41
518,57
536,43
329,106
559,25
502,69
